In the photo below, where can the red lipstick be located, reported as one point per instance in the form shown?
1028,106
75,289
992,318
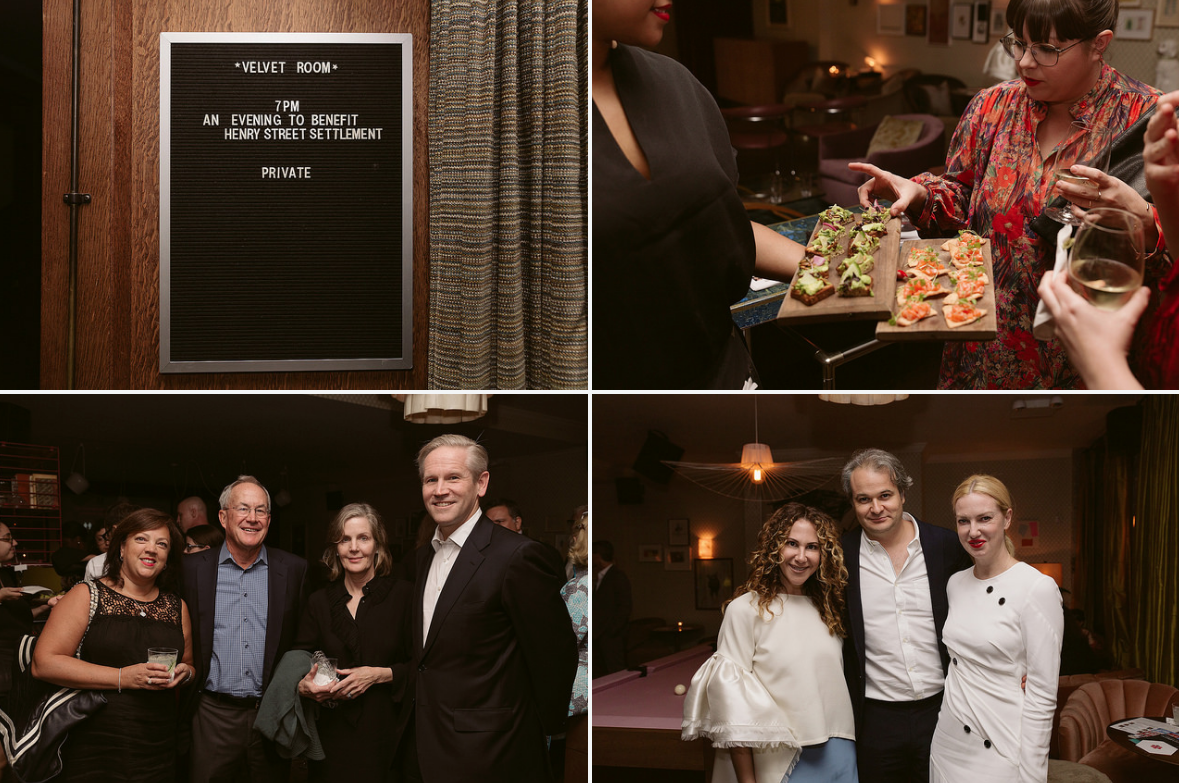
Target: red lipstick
663,12
976,542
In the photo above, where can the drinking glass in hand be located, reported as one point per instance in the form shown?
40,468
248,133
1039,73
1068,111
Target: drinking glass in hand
163,655
1088,146
1106,265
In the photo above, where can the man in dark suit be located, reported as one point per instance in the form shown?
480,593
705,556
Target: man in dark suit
244,602
894,659
495,650
612,606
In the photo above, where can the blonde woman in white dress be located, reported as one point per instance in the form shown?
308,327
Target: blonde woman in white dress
1005,623
773,699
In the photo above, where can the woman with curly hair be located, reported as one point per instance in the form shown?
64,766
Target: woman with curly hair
773,699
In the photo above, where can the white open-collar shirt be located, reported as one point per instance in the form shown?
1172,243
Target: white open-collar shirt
900,640
445,552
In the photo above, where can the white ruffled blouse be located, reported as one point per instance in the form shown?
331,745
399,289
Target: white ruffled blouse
775,685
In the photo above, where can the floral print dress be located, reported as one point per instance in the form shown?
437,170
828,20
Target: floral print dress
996,182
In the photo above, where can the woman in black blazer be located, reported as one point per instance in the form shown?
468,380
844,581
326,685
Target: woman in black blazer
361,619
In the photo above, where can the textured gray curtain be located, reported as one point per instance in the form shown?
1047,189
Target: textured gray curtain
508,193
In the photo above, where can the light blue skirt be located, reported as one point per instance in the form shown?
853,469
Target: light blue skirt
832,762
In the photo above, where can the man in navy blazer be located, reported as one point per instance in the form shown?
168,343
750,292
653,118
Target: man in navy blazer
494,646
244,602
894,659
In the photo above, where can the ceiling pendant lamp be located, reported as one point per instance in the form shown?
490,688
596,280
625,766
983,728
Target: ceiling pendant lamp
757,477
443,408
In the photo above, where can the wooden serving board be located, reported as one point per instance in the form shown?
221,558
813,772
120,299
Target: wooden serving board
850,308
935,327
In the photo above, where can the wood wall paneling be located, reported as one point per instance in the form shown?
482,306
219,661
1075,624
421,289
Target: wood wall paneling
118,289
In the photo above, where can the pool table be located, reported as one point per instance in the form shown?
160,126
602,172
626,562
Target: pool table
637,716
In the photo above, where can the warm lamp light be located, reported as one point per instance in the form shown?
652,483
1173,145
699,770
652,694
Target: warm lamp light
1054,570
833,70
443,408
863,399
753,455
870,62
704,549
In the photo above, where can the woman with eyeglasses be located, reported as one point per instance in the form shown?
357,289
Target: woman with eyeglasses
999,177
102,539
362,619
202,537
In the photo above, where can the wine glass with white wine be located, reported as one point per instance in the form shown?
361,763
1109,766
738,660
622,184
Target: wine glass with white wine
1107,261
1087,145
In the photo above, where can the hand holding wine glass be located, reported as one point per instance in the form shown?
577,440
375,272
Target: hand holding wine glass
1107,262
1085,145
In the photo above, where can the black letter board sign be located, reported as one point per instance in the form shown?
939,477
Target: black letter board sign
286,163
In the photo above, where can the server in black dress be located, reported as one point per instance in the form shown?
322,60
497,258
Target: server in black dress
894,659
673,247
362,620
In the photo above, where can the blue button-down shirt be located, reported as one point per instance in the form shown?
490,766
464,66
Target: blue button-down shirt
239,626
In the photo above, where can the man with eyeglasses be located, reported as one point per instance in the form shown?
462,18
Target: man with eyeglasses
244,600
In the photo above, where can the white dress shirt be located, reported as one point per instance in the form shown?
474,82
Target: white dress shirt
445,551
900,640
95,566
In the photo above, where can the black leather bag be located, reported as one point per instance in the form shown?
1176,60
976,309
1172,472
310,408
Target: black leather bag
1125,163
39,715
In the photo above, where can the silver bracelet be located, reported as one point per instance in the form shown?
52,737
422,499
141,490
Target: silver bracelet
120,679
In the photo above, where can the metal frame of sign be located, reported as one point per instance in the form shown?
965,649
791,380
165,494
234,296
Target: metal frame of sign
405,360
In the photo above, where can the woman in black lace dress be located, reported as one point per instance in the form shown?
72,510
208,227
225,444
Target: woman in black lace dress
132,738
362,620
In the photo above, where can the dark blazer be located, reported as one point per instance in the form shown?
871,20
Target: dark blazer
286,574
944,557
495,673
612,608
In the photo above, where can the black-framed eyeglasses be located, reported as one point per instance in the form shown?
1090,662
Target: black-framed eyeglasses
1046,55
188,547
7,539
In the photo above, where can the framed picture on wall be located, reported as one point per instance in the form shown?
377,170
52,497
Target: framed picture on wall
714,582
960,20
1136,25
999,20
915,19
650,553
890,19
679,558
779,13
939,22
982,22
1168,14
677,532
